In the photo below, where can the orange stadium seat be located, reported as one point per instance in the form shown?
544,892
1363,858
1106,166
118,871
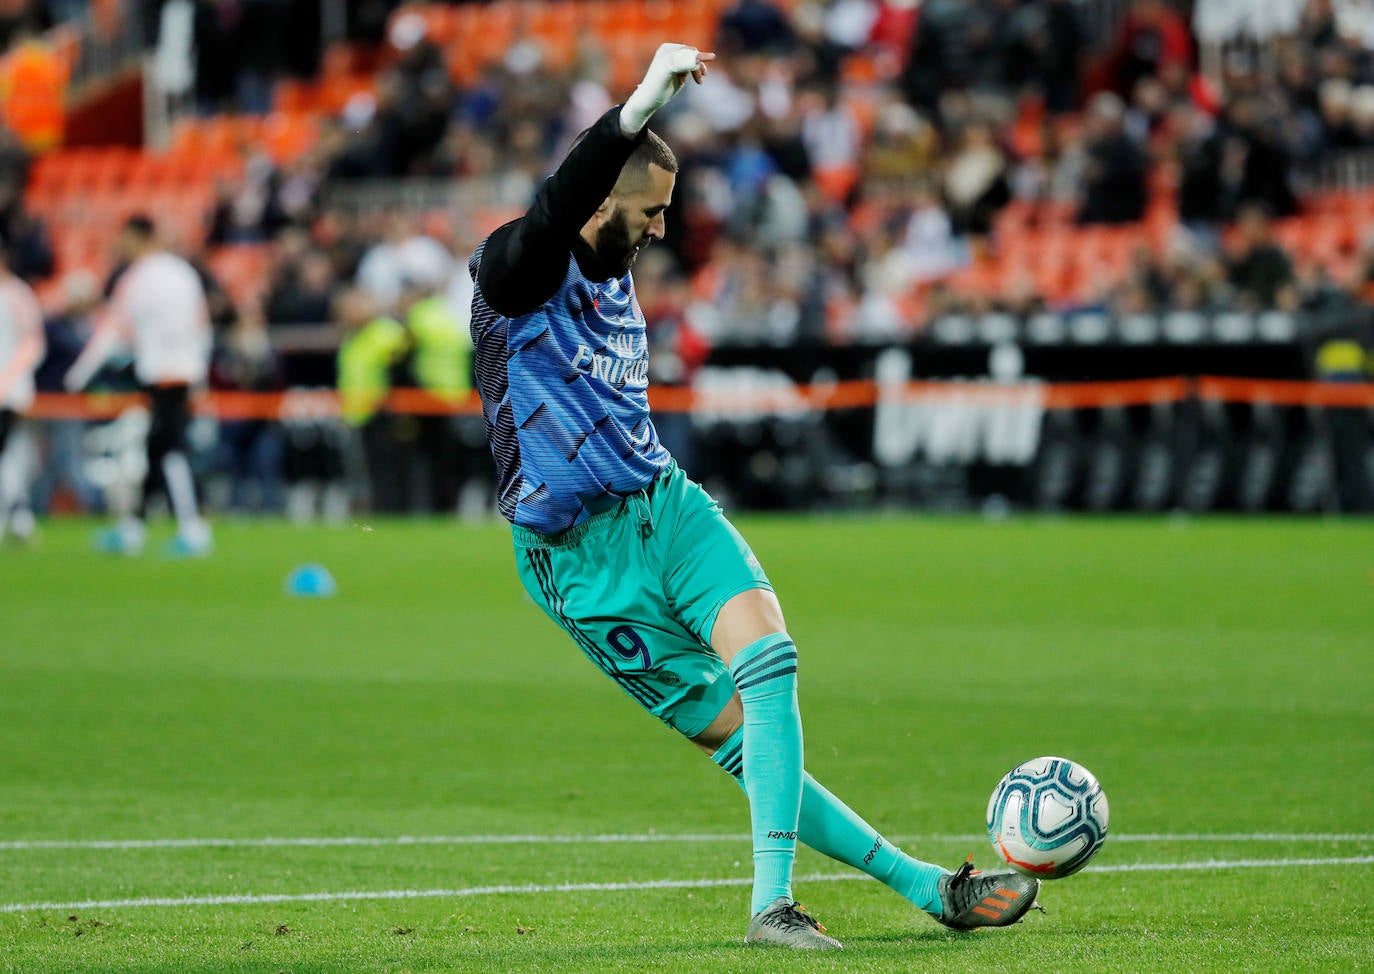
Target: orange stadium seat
288,136
486,220
441,23
490,30
291,95
337,62
980,277
600,18
336,92
554,27
662,17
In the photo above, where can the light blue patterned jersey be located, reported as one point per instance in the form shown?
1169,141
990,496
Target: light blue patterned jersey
565,393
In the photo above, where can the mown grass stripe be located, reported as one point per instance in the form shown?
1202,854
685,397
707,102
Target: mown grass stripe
248,899
22,845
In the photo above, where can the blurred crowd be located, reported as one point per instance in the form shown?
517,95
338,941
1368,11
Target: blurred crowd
847,157
844,162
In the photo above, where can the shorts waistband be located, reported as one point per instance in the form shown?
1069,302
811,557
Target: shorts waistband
638,500
529,538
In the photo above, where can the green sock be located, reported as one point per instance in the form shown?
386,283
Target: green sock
832,828
765,674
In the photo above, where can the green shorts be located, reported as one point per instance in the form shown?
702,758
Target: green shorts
638,588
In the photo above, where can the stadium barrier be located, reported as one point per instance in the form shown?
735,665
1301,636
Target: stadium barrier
847,394
760,440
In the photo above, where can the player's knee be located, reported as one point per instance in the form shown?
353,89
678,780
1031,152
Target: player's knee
744,619
727,723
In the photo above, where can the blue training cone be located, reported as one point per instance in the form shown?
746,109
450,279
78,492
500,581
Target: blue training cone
311,581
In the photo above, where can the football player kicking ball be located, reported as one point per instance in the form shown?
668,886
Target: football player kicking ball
630,557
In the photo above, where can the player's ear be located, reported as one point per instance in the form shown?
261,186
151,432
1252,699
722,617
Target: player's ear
605,209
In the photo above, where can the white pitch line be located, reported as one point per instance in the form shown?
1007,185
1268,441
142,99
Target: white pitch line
20,845
366,840
1244,837
251,899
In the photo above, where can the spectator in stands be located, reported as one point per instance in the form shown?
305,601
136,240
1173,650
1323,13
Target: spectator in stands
21,17
753,27
1198,154
1056,41
1255,162
250,450
414,100
1114,185
1001,57
373,346
1362,115
15,161
1151,39
66,333
349,145
1146,275
831,138
387,265
1260,273
771,160
260,53
301,47
297,192
250,211
439,361
1362,283
25,238
309,300
1337,131
216,29
1321,293
303,282
1317,25
929,240
939,58
976,183
33,92
903,144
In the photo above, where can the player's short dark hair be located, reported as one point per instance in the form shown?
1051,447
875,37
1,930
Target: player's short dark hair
140,226
651,151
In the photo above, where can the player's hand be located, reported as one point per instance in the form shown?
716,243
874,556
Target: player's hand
668,72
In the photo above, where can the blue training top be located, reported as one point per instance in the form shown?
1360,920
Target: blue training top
562,357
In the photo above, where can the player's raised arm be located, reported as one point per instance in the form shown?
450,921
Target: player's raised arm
525,260
110,330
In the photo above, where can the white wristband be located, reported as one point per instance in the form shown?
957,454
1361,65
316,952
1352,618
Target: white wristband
670,67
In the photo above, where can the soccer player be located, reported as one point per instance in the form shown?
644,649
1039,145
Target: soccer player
158,306
630,557
21,349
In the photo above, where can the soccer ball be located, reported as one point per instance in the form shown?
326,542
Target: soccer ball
1047,817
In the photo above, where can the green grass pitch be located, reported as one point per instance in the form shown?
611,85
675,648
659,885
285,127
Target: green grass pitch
1217,675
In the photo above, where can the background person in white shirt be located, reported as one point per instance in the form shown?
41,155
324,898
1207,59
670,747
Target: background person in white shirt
158,307
21,349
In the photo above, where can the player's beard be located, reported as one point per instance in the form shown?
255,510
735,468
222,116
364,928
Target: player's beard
613,245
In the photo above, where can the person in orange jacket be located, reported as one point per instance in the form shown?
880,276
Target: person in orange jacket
33,93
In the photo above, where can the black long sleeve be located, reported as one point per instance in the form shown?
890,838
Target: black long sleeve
525,260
